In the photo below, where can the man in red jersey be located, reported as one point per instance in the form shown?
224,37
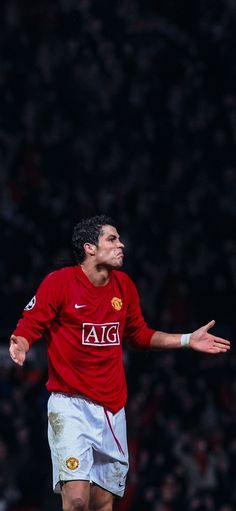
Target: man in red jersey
84,312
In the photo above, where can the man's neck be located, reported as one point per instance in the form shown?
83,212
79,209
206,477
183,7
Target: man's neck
97,275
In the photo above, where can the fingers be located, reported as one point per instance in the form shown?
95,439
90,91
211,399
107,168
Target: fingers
219,345
222,342
15,353
12,353
214,350
12,350
219,342
209,325
15,358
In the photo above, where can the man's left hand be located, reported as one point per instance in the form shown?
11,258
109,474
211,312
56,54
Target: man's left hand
201,340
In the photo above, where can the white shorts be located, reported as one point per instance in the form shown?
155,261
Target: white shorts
87,443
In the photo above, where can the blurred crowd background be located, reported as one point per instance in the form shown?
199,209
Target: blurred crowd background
126,108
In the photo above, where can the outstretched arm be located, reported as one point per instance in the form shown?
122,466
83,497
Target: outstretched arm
18,349
200,340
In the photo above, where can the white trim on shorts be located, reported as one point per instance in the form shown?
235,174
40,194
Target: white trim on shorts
83,444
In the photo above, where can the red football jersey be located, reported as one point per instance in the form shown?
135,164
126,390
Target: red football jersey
84,327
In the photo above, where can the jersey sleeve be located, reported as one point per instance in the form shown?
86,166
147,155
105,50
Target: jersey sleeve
136,329
42,309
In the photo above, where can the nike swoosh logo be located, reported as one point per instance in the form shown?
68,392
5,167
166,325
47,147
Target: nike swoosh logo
79,306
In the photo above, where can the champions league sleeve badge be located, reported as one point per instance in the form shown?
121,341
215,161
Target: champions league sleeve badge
31,304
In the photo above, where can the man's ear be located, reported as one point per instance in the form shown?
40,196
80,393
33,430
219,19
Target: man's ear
89,249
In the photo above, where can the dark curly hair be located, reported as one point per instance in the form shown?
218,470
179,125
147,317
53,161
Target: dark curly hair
87,231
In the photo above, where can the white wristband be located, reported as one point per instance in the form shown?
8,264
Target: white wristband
185,339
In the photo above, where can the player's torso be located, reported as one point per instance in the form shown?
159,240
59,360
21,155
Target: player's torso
85,340
96,315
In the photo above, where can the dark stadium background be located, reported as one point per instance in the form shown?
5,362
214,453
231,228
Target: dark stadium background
126,108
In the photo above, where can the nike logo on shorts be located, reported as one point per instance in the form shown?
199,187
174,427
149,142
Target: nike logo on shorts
79,306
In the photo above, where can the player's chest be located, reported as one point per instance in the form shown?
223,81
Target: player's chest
100,305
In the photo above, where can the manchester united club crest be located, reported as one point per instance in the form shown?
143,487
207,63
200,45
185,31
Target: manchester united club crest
72,463
116,303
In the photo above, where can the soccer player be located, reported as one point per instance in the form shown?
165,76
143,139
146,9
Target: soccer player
84,312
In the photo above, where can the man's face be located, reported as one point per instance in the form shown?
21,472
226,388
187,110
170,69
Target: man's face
109,251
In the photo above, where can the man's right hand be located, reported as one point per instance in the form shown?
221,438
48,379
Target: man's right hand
18,349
